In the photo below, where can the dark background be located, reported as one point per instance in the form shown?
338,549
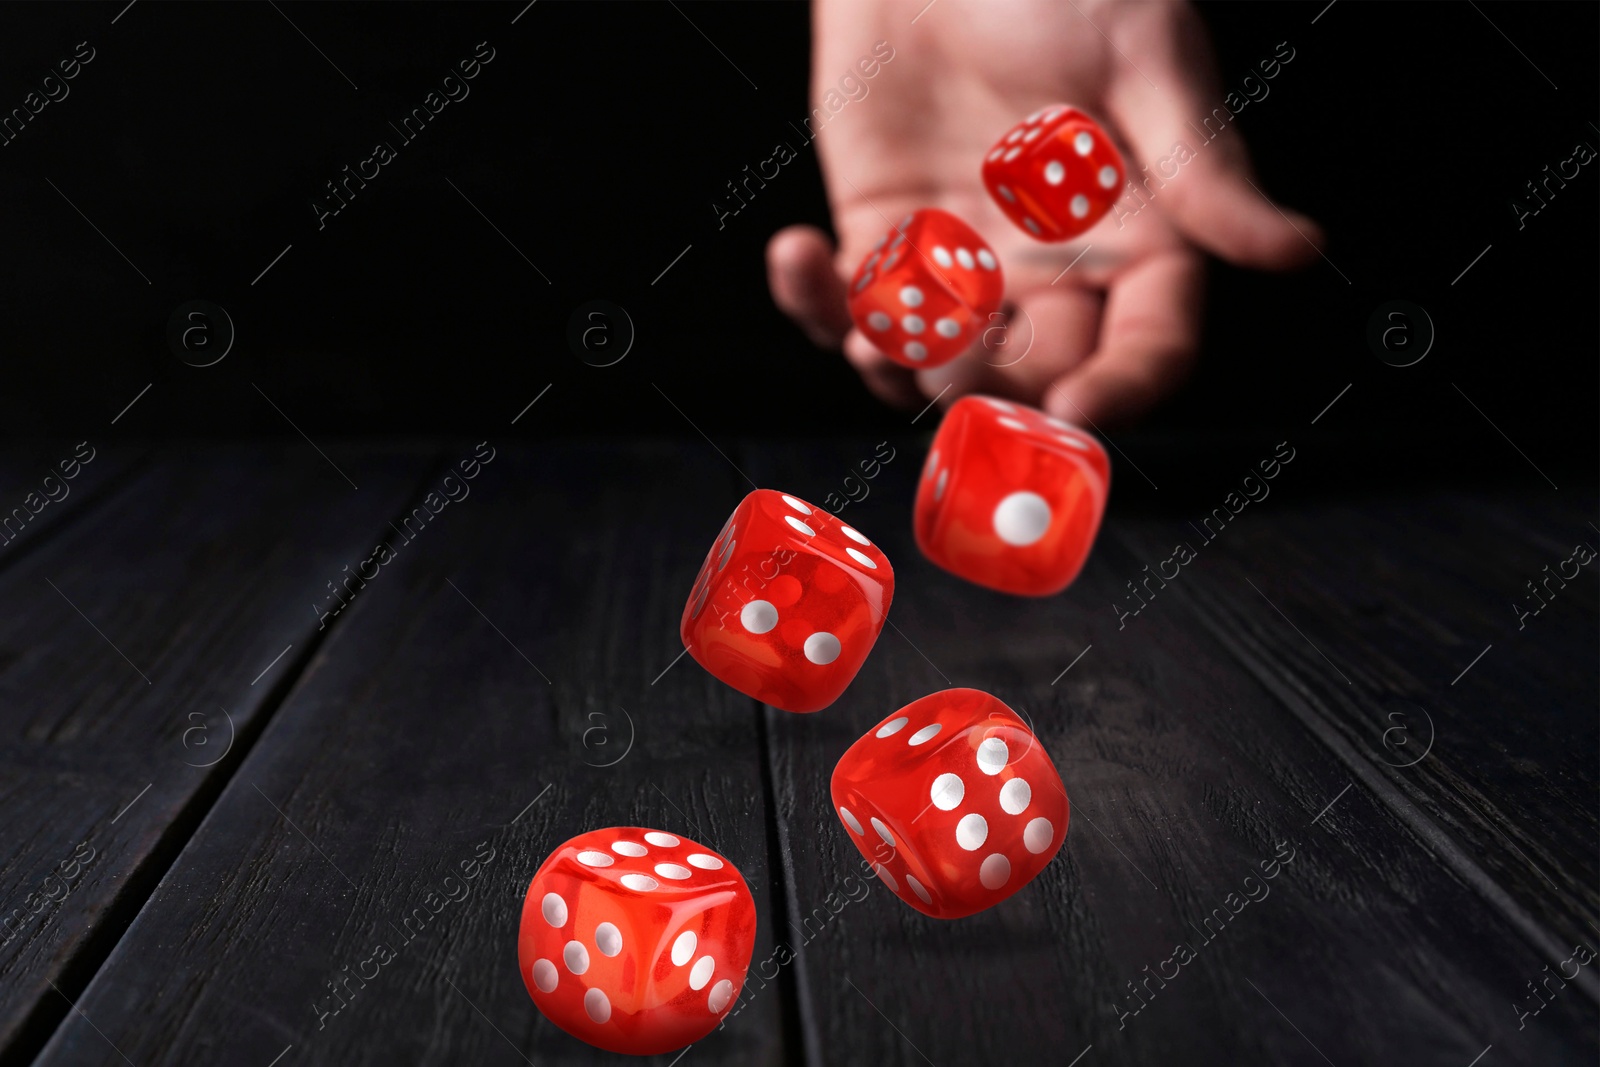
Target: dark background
597,140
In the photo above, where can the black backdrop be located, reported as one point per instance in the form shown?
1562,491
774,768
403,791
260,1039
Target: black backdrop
596,140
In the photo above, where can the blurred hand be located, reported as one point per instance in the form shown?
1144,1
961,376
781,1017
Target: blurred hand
1120,329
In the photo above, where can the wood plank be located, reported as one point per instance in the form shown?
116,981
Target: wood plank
446,717
1185,774
1404,608
136,643
45,483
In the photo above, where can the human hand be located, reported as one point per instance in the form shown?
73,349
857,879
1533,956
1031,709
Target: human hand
1120,329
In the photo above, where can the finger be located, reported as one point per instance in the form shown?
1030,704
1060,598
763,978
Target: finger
889,382
807,288
1024,349
1195,168
1147,344
804,284
1051,331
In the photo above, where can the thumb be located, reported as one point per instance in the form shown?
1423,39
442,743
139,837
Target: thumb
806,285
1196,167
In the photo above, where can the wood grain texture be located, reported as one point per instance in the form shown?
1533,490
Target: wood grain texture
127,635
463,706
36,497
1367,615
1185,773
451,715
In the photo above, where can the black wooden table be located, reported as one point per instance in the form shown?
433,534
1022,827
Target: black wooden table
228,776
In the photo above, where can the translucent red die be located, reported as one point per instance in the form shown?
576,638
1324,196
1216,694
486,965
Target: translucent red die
954,801
1055,174
788,603
927,289
636,940
1010,498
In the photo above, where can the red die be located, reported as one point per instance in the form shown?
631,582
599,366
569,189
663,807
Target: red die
788,603
636,940
954,801
1055,174
925,298
1010,497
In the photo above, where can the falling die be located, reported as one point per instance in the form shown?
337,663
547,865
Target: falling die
788,602
1010,498
954,801
636,940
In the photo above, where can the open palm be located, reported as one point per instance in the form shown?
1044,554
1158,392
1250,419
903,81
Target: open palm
1099,342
